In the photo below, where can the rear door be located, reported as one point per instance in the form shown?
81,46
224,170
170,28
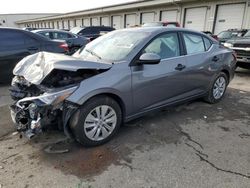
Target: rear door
200,58
166,82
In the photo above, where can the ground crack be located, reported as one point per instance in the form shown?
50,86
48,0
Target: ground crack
189,138
220,169
198,151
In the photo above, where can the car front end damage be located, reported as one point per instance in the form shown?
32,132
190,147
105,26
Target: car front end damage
39,100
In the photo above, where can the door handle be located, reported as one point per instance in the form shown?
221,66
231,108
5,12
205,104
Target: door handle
215,59
180,67
32,48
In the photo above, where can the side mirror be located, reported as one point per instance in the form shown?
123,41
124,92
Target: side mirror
149,58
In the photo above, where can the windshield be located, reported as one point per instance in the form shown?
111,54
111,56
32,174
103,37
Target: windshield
229,34
76,30
247,34
114,46
152,24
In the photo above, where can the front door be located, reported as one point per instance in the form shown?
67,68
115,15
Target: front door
166,82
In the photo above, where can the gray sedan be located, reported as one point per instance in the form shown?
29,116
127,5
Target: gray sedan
116,78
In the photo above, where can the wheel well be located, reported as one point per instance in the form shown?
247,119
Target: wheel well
227,73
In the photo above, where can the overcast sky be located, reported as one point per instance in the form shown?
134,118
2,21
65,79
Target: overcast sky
52,6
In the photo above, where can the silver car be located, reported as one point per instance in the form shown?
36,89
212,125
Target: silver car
116,78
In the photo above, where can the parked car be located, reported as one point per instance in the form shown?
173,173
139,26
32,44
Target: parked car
116,78
230,34
16,44
91,32
162,23
209,33
242,48
74,41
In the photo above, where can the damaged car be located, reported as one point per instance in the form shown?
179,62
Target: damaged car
116,78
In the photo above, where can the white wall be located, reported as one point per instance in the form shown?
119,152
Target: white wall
180,6
8,20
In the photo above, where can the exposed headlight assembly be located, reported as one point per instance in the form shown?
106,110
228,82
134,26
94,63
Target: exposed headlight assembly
228,45
52,98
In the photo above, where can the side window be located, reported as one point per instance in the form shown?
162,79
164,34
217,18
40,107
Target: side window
45,34
207,43
166,46
59,35
194,43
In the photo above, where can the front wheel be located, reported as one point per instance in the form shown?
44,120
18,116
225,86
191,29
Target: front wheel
99,120
218,89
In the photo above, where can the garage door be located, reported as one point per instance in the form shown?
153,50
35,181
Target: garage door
86,22
94,22
169,15
196,18
105,21
147,17
71,24
229,17
78,22
117,22
130,20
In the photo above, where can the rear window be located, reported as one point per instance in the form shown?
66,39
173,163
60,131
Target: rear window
194,43
11,38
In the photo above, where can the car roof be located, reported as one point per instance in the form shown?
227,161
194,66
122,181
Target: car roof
50,30
155,30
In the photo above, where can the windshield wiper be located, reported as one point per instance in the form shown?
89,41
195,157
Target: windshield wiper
93,53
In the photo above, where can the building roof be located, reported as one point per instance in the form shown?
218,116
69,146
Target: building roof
111,8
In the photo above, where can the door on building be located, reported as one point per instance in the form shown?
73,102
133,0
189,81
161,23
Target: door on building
195,18
94,22
117,22
105,21
86,22
147,17
229,17
130,20
78,23
169,15
71,24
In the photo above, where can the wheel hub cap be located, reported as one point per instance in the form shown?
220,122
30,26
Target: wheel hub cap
219,87
100,123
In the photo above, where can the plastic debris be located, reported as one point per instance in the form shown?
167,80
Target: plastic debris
14,133
205,117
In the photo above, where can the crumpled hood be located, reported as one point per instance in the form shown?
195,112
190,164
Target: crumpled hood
34,68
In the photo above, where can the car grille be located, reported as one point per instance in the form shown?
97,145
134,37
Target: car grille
242,45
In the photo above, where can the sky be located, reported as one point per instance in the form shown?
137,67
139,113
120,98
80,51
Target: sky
52,6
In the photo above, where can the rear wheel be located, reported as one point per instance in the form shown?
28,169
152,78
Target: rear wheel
218,89
99,120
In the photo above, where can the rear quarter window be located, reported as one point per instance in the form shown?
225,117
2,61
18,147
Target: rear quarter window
207,43
194,43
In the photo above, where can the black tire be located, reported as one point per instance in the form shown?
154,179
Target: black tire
78,129
210,97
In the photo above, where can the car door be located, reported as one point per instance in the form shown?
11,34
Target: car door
12,50
199,59
166,82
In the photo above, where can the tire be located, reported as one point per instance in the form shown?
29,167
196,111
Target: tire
91,130
211,96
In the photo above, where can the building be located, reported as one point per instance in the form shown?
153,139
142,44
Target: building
202,15
9,20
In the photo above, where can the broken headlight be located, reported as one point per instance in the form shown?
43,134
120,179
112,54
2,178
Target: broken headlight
48,98
56,97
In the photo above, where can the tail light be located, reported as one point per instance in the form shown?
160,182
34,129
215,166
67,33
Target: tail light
64,46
